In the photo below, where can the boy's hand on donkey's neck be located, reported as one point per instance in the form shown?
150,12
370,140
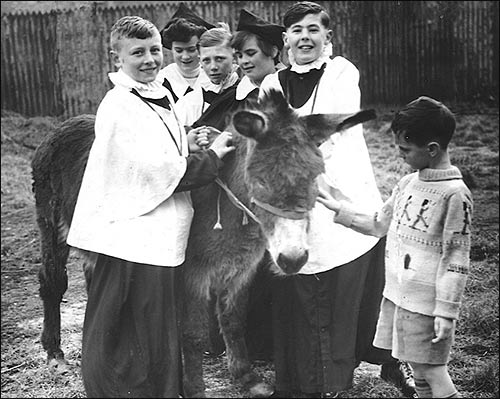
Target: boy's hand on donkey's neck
201,138
222,144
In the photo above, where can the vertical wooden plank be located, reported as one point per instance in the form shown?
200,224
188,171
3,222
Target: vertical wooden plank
416,40
40,60
466,47
459,29
10,81
22,66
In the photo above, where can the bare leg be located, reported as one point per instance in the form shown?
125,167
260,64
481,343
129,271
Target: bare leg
437,377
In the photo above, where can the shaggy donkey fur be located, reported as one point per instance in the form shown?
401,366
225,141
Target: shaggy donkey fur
276,162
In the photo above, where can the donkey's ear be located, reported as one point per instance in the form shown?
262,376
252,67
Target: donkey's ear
357,118
321,126
250,124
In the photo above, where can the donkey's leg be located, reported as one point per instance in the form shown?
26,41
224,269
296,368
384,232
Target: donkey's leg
232,319
194,341
215,341
53,284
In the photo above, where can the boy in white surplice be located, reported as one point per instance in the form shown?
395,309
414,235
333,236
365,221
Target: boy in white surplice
134,210
325,317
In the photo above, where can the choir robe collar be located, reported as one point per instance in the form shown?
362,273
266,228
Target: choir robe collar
244,88
153,90
230,80
317,64
180,86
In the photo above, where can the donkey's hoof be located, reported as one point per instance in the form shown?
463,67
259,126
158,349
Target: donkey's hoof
261,390
60,366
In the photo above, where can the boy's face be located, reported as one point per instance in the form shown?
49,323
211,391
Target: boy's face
307,38
253,62
141,59
217,62
186,54
415,156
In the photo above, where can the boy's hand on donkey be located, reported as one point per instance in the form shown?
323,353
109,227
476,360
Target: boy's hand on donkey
327,200
222,144
442,328
199,138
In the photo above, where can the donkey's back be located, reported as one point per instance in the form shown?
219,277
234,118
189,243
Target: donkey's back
57,170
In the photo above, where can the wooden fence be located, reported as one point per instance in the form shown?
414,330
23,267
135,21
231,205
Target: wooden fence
56,62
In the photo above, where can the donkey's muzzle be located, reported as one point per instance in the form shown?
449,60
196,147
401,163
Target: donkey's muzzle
292,264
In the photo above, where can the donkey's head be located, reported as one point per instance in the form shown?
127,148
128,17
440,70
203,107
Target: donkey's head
283,162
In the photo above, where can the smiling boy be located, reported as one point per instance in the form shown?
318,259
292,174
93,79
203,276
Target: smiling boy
134,211
325,317
181,35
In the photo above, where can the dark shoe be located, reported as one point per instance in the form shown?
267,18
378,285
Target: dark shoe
401,375
214,354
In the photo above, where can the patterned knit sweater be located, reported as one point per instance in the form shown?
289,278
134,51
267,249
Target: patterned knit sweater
427,220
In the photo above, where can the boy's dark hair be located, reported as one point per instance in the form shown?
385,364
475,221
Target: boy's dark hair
424,120
299,10
180,30
131,26
241,37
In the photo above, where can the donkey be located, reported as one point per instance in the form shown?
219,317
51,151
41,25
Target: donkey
262,199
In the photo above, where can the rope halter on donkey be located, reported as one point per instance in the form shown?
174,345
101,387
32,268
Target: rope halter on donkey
295,214
236,202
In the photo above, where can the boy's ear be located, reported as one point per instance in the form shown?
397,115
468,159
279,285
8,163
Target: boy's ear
285,39
329,35
115,58
433,147
275,51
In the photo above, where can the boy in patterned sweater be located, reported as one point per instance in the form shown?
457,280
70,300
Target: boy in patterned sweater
427,221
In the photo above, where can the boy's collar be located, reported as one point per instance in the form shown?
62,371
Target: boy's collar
230,80
245,87
428,174
153,89
317,64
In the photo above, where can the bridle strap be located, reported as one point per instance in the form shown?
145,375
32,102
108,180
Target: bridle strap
235,201
296,214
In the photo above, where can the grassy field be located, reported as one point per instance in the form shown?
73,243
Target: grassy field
474,361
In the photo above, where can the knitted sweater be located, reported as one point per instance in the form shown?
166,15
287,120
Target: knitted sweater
427,220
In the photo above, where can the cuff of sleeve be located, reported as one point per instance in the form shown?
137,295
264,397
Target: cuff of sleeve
448,310
345,215
217,161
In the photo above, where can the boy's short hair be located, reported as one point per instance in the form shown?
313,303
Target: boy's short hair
299,10
180,30
241,37
131,26
216,37
425,120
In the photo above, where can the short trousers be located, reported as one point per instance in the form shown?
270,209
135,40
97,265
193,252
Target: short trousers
408,335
